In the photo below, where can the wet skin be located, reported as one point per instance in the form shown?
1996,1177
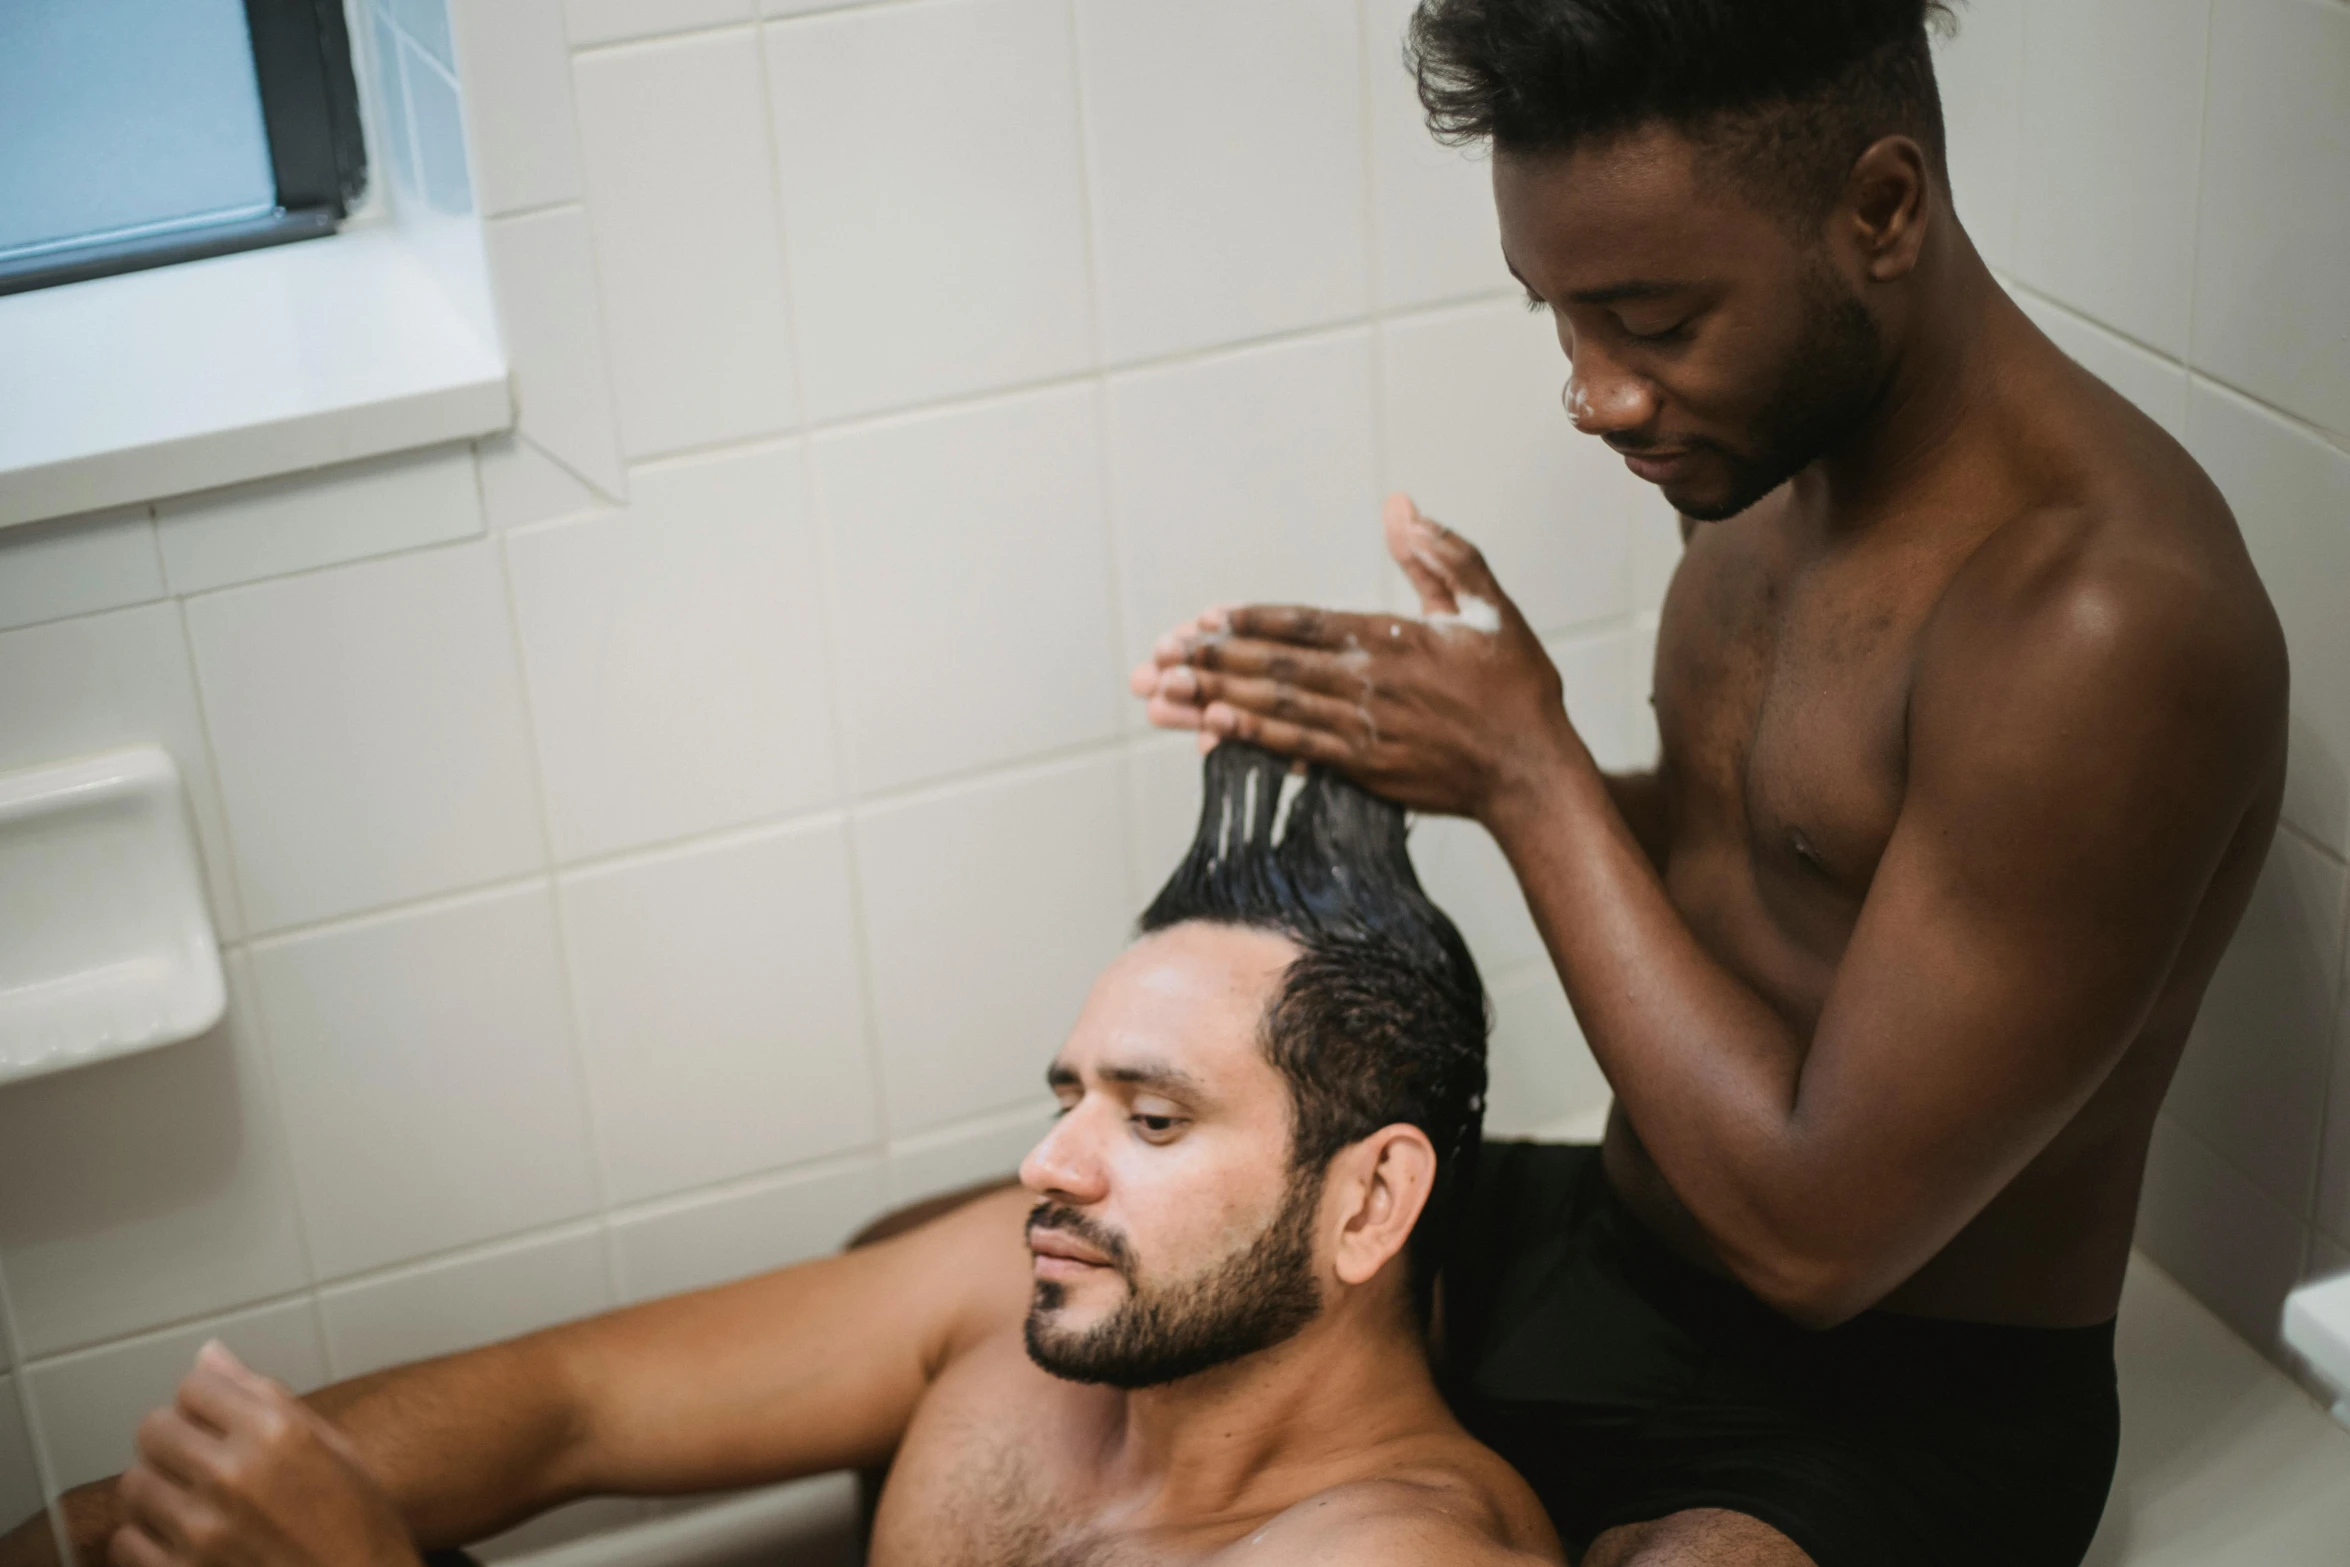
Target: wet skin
1972,747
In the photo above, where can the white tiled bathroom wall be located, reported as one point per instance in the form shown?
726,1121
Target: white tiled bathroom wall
650,844
653,842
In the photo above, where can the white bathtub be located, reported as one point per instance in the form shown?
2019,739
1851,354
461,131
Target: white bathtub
2225,1462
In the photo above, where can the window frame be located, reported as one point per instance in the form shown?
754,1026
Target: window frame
317,154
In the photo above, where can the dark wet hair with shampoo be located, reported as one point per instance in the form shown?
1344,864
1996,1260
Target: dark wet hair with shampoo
1381,1018
1785,95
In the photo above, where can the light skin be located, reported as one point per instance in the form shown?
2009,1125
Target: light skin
1174,1135
1972,746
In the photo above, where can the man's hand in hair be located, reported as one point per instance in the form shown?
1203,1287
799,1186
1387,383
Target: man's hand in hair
236,1472
1450,714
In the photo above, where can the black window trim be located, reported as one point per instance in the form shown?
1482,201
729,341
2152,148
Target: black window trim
310,109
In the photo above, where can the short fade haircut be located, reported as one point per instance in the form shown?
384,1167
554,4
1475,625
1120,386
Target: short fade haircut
1381,1017
1782,96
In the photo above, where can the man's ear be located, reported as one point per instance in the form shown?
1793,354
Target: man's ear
1383,1182
1888,199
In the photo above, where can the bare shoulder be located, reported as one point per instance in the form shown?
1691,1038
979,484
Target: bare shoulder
1473,1511
973,1261
2138,599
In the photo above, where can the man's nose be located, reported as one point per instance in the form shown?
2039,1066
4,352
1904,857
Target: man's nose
1062,1163
1603,399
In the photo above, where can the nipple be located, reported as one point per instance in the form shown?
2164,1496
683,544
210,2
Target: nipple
1804,850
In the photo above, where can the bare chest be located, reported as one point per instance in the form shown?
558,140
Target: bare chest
1782,687
1002,1467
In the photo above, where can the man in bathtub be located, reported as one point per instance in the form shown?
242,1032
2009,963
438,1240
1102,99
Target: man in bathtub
1195,1336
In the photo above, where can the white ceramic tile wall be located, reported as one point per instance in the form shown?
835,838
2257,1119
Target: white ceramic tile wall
279,526
934,202
524,147
431,1086
990,908
546,281
1249,475
1229,170
681,193
1981,70
2272,251
77,566
367,723
1435,235
718,990
2110,137
709,1239
675,651
971,561
464,1301
519,817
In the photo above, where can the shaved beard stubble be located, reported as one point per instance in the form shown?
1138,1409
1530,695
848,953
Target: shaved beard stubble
1253,1299
1822,395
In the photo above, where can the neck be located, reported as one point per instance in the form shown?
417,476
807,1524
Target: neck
1942,372
1255,1435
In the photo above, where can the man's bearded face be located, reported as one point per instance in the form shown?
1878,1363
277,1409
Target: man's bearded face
1819,396
1252,1297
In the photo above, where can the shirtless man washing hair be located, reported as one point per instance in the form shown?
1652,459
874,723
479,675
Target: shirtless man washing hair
1196,1335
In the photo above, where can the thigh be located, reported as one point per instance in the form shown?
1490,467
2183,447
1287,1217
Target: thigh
1698,1537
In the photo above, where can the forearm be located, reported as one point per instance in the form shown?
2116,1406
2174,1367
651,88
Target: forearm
1709,1075
465,1446
468,1444
1639,798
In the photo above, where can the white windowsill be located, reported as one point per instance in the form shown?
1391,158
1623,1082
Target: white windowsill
211,372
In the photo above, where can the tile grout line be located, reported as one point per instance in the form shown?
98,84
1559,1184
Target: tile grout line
265,1044
1112,513
2202,144
20,1373
574,1030
817,521
666,1204
2337,1027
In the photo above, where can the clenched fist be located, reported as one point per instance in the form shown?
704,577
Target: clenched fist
236,1472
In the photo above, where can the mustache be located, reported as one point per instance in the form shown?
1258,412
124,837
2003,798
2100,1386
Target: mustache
1068,1221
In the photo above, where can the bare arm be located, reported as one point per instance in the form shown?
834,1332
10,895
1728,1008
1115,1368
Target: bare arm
2081,752
2078,764
805,1370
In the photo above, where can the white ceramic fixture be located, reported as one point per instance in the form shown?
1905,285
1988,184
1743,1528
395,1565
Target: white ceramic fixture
106,946
2317,1325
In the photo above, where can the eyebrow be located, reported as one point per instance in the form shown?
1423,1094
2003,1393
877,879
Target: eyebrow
1607,293
1140,1074
1617,293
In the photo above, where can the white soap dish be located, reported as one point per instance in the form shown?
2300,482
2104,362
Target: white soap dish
106,944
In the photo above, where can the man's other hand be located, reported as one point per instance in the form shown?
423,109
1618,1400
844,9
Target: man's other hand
238,1473
1450,713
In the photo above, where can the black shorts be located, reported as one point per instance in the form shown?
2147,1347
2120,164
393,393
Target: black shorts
1626,1385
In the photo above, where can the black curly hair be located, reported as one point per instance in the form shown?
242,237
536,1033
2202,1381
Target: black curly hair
1381,1018
1784,94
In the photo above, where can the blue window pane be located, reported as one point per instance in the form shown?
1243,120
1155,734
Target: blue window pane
120,117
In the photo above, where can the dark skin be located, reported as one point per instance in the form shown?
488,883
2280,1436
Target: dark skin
1972,748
